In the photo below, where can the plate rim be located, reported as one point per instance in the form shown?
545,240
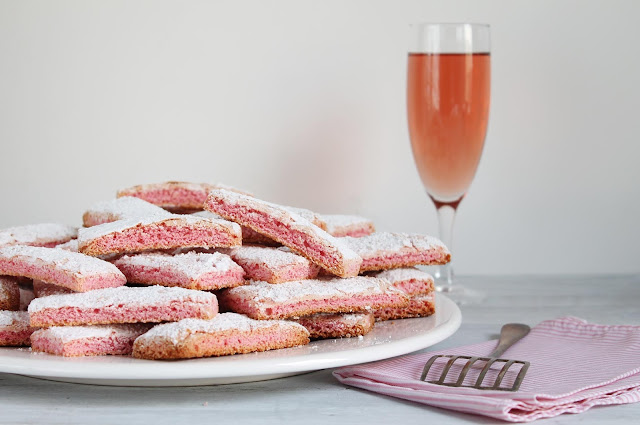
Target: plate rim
130,371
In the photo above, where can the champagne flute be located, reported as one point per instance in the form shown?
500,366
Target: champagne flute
448,92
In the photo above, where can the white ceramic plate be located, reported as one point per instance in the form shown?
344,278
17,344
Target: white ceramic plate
388,339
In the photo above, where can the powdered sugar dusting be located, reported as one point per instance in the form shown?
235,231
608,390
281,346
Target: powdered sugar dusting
193,264
100,298
208,214
72,245
87,234
347,318
66,334
336,222
14,319
179,331
126,207
404,274
272,257
77,264
310,289
131,191
39,234
288,218
173,185
384,241
307,214
354,317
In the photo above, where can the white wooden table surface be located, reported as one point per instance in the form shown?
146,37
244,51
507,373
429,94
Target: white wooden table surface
317,398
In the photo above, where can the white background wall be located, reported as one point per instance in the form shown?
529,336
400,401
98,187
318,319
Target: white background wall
303,102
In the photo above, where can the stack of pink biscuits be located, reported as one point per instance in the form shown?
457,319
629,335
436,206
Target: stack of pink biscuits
15,290
151,269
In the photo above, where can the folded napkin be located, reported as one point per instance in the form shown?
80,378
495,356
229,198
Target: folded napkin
574,365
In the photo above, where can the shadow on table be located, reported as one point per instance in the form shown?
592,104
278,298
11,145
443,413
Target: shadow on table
320,395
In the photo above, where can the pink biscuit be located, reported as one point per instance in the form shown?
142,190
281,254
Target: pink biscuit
419,306
45,234
272,265
333,325
250,236
314,218
43,289
71,270
409,280
72,246
382,251
192,270
9,293
122,305
175,196
348,225
99,340
288,228
14,329
262,300
225,334
119,209
149,233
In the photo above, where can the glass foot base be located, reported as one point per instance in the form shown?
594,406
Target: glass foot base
461,295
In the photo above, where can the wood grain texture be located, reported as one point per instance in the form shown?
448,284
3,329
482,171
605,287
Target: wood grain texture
317,398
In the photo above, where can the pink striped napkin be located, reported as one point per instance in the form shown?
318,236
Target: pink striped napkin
574,365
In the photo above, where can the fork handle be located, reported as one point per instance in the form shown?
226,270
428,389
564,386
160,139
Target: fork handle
509,335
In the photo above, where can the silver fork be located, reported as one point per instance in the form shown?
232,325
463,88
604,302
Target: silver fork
509,335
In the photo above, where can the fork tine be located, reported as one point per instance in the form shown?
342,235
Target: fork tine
427,366
465,370
520,377
446,369
469,365
485,369
510,334
504,370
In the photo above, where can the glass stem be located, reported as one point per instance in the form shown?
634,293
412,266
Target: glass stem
444,275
